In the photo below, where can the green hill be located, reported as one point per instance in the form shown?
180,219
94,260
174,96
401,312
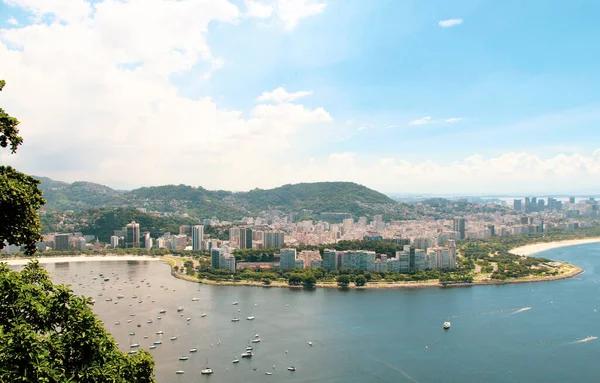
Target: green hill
319,196
200,203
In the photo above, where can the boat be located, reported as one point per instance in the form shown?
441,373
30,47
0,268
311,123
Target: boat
203,315
268,373
193,349
120,296
128,320
206,371
235,303
108,299
188,319
152,347
180,308
179,372
162,311
158,342
195,299
132,314
149,321
291,368
160,332
249,348
236,360
256,336
117,323
309,343
257,340
134,345
183,357
132,352
447,325
132,333
173,338
251,317
247,354
234,319
139,325
106,279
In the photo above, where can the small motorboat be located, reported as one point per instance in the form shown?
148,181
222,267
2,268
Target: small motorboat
179,372
291,368
257,340
236,360
247,354
235,303
173,338
206,371
183,357
203,315
447,325
251,317
193,349
235,319
268,373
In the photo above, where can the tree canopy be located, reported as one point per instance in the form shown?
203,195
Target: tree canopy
20,197
48,334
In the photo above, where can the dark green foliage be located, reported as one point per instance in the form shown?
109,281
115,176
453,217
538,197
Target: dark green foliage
20,198
360,280
319,196
47,334
343,280
102,222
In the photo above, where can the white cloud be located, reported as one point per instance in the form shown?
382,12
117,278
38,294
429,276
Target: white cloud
290,12
450,23
103,98
280,95
430,120
421,121
63,10
257,9
513,172
12,21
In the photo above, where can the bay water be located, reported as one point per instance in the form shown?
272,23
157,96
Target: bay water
532,332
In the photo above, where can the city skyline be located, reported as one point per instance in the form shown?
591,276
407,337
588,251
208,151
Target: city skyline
398,96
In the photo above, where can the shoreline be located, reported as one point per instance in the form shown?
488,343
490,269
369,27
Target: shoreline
78,258
535,248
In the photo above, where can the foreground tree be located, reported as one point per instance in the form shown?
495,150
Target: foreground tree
47,334
20,197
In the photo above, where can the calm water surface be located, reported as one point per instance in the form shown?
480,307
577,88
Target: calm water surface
538,332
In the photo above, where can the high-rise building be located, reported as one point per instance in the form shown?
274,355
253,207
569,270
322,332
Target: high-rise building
234,236
248,244
114,241
197,237
330,259
287,258
61,241
273,239
132,238
215,253
459,227
518,204
571,200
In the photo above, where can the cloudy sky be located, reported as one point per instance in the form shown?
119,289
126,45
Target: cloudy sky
466,96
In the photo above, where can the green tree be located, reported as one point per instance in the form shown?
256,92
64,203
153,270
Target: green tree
48,334
360,280
20,197
343,280
295,279
309,281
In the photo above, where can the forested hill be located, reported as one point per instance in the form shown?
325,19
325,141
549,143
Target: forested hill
197,202
318,196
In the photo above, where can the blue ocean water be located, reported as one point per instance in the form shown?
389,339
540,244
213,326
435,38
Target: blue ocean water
533,332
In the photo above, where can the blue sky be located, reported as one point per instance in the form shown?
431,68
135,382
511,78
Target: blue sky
407,105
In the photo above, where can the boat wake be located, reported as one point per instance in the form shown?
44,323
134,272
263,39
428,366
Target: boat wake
585,340
521,310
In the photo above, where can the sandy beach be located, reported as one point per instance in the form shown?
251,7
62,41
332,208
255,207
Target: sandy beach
539,247
23,261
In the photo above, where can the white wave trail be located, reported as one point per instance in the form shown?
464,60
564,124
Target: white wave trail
521,310
584,340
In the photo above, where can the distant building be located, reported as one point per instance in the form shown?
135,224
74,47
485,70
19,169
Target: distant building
287,259
114,241
197,237
273,239
459,227
214,257
132,238
61,241
517,204
330,260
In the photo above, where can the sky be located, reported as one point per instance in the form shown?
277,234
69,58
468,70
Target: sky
403,96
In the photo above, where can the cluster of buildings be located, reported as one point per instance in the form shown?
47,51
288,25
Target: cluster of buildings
407,260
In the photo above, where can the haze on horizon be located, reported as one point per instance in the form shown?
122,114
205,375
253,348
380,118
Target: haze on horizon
440,97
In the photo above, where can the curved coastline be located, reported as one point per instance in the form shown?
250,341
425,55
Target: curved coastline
527,250
535,248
